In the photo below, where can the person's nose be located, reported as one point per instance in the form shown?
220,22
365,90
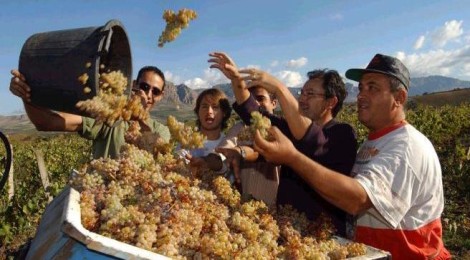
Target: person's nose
361,94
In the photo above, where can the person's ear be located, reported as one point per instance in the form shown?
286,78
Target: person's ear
400,97
332,102
274,101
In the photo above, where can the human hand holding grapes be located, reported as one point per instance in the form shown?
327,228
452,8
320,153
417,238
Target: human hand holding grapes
278,151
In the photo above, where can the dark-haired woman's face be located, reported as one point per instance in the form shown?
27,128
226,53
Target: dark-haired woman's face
210,114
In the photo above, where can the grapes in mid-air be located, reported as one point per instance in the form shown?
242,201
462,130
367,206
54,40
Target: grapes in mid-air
175,22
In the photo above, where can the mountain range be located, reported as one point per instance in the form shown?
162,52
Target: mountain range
179,100
182,94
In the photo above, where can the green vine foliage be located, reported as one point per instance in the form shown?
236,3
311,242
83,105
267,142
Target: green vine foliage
20,216
448,128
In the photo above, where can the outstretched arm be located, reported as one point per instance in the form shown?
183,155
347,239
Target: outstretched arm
340,190
298,124
43,119
228,67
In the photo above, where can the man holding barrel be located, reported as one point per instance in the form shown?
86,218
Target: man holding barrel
107,140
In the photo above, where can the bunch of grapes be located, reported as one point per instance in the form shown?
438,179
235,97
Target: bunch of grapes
174,24
111,104
258,122
188,137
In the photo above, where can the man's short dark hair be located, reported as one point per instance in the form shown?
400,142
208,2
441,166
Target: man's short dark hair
152,69
333,85
272,96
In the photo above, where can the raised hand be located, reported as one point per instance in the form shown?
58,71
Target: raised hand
225,64
257,77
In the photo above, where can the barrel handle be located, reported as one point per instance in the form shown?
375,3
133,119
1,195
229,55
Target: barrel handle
108,35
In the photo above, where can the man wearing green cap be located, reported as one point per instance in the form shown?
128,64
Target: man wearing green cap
396,190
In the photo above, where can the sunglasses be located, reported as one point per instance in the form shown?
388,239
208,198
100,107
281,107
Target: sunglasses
146,87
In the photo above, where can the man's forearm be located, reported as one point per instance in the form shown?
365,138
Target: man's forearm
240,91
47,120
298,124
340,190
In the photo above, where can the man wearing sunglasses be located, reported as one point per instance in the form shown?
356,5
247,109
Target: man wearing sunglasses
107,140
308,122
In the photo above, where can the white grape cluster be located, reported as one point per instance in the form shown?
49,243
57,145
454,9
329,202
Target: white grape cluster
111,104
175,23
188,137
152,201
258,122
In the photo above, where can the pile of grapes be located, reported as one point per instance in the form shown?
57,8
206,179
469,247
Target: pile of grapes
174,24
154,201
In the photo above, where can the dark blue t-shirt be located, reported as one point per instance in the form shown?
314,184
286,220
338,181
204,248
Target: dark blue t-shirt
333,146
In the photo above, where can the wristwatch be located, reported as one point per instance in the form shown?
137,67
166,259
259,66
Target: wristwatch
242,152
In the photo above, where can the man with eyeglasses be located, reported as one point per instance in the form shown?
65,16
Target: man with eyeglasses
309,122
395,190
107,140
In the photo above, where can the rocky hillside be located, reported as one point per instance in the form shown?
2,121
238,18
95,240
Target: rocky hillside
182,94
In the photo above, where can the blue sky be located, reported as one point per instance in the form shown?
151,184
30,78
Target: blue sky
286,38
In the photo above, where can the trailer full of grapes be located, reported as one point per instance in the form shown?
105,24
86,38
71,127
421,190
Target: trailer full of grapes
61,235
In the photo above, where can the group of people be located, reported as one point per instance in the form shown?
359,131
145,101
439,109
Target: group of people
387,194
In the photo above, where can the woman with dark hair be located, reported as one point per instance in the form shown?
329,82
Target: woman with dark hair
213,111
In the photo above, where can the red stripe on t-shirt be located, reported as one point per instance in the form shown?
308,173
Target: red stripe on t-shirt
422,243
386,130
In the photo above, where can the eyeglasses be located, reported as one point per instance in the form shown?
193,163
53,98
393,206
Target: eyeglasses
309,94
261,98
146,87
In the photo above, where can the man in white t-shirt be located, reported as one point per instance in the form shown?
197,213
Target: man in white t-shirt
396,190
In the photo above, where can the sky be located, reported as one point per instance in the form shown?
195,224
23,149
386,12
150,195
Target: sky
285,38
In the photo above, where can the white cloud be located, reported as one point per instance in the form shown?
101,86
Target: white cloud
438,62
451,31
419,42
274,63
290,78
171,77
211,77
252,66
298,63
466,69
196,83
